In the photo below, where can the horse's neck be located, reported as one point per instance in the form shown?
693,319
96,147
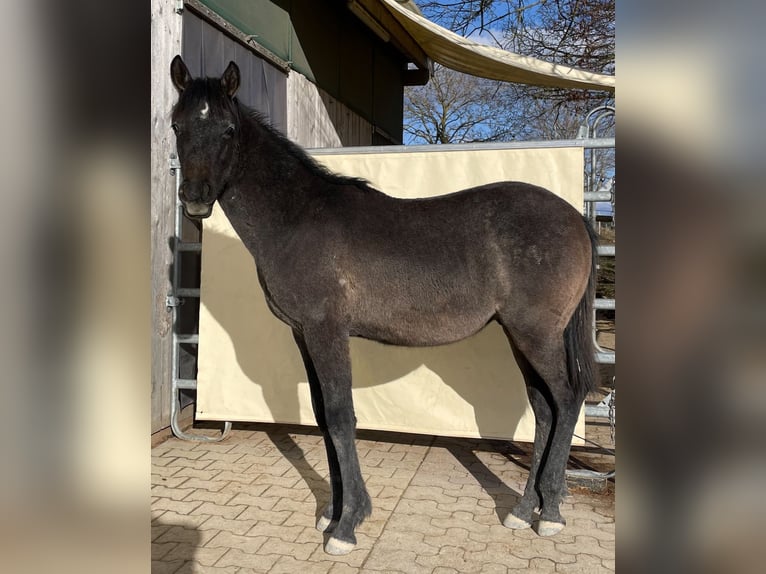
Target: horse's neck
273,185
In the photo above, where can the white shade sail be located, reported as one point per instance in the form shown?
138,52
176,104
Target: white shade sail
464,55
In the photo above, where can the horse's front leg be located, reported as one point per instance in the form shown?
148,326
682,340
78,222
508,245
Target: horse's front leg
328,350
328,515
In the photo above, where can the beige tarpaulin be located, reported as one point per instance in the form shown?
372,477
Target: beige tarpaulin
250,369
464,55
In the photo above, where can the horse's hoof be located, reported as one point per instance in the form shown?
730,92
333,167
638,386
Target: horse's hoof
515,523
548,528
323,523
338,547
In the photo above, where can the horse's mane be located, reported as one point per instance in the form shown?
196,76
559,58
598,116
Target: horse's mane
296,152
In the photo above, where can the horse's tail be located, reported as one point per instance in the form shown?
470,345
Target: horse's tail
578,335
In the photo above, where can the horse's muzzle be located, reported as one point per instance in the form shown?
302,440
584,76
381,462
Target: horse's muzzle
196,199
197,210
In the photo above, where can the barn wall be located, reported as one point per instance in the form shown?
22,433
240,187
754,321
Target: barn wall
316,119
166,43
326,43
207,51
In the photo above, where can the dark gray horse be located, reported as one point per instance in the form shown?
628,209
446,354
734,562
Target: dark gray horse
338,259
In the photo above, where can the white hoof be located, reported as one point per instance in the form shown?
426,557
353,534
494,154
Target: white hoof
323,523
515,523
548,528
338,547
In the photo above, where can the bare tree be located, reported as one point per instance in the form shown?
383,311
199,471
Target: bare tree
455,107
577,33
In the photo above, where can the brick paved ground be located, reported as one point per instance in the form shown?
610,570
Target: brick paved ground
249,504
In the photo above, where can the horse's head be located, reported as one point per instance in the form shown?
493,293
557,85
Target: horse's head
206,124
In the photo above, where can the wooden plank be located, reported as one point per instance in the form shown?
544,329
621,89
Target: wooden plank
166,43
315,119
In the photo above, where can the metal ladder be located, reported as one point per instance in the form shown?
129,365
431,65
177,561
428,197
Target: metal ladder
174,300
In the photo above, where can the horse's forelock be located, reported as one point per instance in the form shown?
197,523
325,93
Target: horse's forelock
208,94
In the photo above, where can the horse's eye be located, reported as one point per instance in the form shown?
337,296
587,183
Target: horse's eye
229,131
175,128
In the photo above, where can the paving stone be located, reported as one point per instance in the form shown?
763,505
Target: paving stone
258,562
178,506
234,476
215,446
164,471
450,556
462,521
250,489
159,567
584,564
220,523
497,553
224,539
196,473
188,463
226,510
181,535
160,549
177,443
409,541
197,568
540,548
284,548
270,516
220,498
341,568
456,537
401,522
184,520
161,491
204,556
290,565
586,545
542,565
387,560
187,454
288,533
168,481
158,530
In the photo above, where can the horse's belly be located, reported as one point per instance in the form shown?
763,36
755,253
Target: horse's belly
422,329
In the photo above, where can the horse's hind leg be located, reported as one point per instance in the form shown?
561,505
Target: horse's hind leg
521,515
542,347
329,353
317,402
549,359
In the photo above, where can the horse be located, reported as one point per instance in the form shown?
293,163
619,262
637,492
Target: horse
337,258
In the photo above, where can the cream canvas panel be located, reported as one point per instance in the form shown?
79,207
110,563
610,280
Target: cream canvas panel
250,368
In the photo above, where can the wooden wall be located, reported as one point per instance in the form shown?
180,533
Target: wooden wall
316,119
166,43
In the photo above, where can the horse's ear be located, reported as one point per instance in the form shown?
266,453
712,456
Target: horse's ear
179,73
230,79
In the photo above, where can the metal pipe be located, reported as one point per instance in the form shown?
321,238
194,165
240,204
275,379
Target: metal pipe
593,143
593,196
604,304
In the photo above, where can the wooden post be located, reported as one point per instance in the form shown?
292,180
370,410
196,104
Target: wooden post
166,43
